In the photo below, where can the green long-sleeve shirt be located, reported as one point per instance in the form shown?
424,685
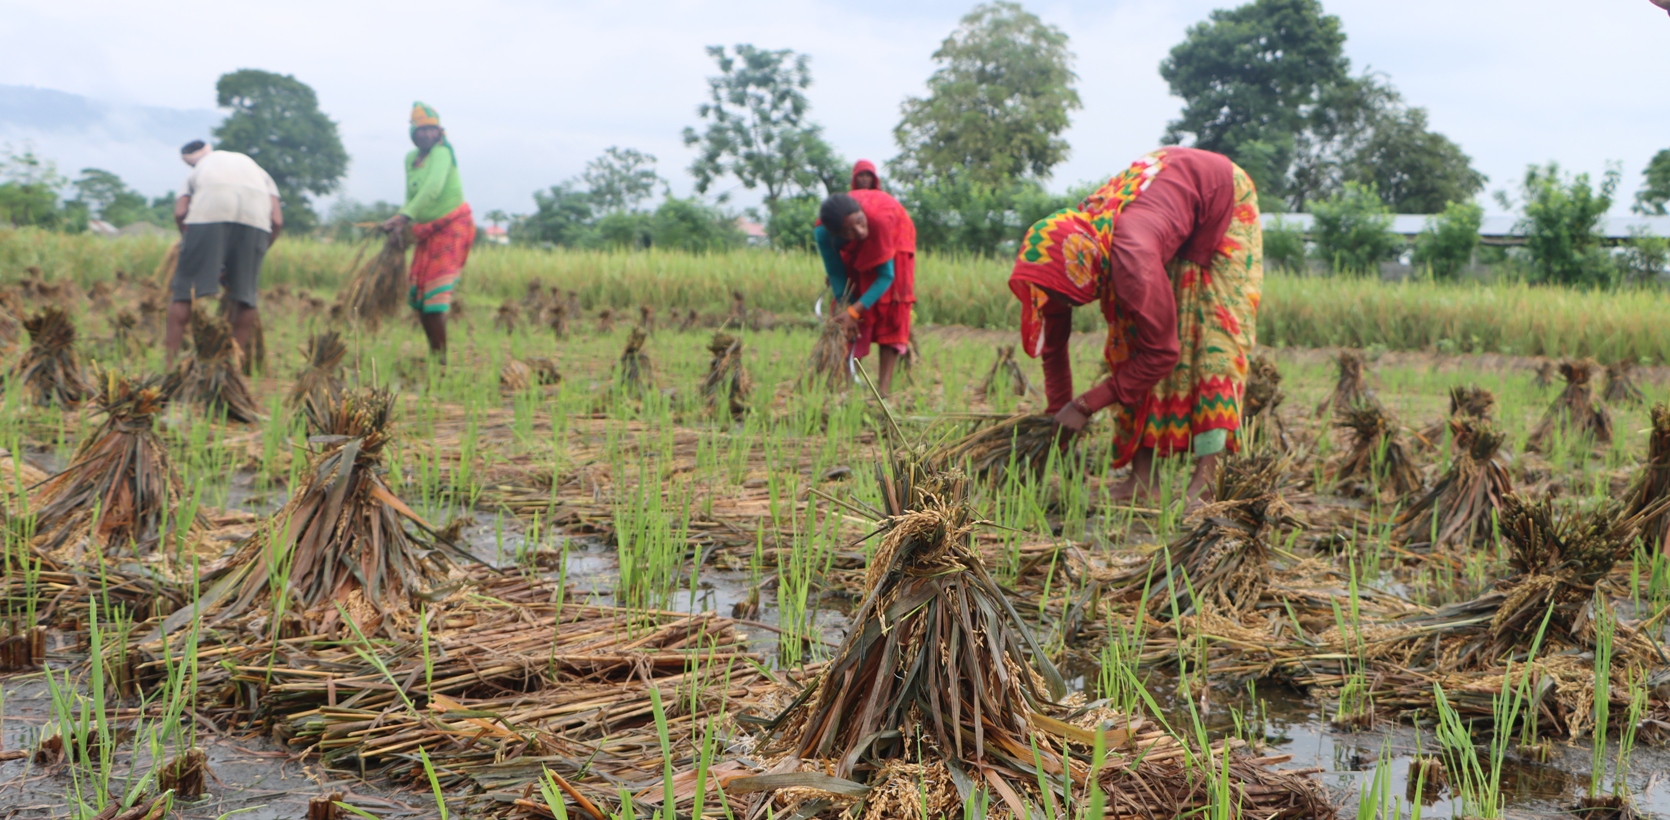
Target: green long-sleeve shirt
433,189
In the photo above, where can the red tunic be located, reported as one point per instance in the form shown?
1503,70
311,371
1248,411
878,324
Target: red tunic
1184,213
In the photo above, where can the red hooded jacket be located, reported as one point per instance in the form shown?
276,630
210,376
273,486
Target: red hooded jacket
892,236
864,165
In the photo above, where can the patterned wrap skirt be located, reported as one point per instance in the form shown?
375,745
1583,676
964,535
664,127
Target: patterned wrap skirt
1217,311
443,246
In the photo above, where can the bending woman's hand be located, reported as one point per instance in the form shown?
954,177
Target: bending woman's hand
1072,416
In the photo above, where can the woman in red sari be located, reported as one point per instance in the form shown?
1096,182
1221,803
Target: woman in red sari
868,245
1172,251
864,177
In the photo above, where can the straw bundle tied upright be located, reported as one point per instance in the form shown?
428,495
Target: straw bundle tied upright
120,494
1462,507
1006,372
1223,564
49,369
636,372
1025,441
211,376
508,317
727,383
1620,384
377,288
1575,411
831,357
1351,389
940,684
1260,423
1375,459
1466,402
343,538
318,387
1649,497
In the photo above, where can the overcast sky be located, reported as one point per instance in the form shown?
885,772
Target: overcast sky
530,91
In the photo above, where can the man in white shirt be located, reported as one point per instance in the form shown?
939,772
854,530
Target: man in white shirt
228,216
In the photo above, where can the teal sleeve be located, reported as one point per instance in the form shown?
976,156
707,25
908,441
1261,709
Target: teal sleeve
884,280
830,249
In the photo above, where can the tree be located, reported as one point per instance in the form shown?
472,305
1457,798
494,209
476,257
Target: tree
1268,84
275,119
1561,222
1446,244
758,131
562,217
29,195
1416,171
689,225
1250,77
621,178
107,197
1654,195
955,213
996,104
1353,229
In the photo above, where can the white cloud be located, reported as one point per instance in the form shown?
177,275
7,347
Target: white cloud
531,91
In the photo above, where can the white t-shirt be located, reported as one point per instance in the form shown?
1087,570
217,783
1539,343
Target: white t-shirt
226,186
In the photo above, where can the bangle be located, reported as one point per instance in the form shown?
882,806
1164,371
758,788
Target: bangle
853,311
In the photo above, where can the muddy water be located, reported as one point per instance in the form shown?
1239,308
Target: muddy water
258,779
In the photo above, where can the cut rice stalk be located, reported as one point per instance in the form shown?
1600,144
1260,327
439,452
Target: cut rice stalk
1261,423
831,358
211,377
377,288
1224,562
318,386
1620,384
120,489
1466,402
1006,372
1574,411
635,372
1027,441
1351,389
50,370
1648,499
1462,508
727,381
1375,456
343,538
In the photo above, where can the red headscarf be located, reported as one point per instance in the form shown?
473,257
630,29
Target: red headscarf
864,165
892,236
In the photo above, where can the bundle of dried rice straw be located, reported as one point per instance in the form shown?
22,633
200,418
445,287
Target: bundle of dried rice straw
1026,441
120,493
1351,388
376,288
1463,507
1375,458
1575,411
318,386
49,369
726,385
1006,373
211,376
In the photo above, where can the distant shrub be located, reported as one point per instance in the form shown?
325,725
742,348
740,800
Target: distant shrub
1561,221
1284,247
1446,244
1353,229
1644,256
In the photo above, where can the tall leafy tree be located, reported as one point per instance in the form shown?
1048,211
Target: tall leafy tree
1269,85
758,130
275,119
29,191
621,178
1654,195
1561,221
107,197
996,104
1250,78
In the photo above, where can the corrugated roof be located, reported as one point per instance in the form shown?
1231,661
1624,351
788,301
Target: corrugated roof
1612,227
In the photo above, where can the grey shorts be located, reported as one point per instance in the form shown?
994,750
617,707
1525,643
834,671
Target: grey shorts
217,253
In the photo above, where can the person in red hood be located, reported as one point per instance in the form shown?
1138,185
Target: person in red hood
864,176
868,245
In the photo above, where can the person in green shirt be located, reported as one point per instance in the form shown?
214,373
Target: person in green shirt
440,220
